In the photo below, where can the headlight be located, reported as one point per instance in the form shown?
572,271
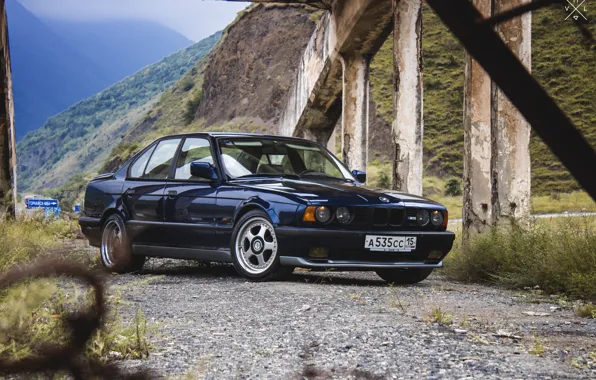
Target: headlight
437,218
343,215
423,217
323,214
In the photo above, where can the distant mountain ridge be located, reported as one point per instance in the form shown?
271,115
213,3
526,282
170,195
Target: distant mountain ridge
119,47
58,63
80,138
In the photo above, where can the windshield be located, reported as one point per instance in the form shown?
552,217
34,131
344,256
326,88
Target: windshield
245,157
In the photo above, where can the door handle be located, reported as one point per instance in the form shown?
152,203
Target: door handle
172,193
130,192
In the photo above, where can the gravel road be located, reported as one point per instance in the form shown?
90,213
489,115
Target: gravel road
215,325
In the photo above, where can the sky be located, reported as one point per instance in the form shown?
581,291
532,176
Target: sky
196,19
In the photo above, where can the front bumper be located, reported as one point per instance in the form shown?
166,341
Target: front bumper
345,249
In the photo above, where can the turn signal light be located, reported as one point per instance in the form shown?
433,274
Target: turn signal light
309,214
445,218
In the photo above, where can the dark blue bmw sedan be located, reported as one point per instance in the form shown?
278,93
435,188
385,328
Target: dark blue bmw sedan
267,204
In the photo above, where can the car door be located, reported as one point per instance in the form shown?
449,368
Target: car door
143,192
190,202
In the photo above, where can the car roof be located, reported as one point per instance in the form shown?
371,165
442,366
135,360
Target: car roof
236,134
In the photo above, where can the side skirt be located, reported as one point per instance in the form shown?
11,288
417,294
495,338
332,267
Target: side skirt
207,255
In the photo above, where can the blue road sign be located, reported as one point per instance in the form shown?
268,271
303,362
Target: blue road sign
77,208
42,203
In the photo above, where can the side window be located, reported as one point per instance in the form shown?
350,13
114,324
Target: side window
159,164
137,169
194,149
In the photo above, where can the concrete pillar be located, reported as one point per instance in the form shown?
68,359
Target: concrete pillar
354,136
331,144
316,134
510,131
407,131
477,208
496,136
8,172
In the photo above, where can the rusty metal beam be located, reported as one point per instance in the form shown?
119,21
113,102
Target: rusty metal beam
534,103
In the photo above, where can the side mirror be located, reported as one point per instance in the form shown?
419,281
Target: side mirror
203,170
360,175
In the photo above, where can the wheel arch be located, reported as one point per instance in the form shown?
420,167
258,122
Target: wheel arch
109,212
255,204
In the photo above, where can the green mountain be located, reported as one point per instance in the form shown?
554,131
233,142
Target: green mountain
243,85
79,139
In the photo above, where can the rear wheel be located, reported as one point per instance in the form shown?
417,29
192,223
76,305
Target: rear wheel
255,250
404,276
115,250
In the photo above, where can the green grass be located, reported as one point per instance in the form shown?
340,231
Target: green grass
558,255
77,131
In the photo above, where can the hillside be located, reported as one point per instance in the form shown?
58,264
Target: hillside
561,62
57,63
244,82
79,139
48,74
241,86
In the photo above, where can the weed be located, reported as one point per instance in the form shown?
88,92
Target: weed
587,310
465,322
537,347
439,316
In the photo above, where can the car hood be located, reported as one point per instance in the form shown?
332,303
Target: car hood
333,191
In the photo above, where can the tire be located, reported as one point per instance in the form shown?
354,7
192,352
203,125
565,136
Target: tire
404,276
254,248
115,251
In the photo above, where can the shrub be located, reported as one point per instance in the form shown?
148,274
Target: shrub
192,106
559,255
453,187
587,310
384,181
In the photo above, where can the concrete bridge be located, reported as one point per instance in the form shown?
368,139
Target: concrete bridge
332,84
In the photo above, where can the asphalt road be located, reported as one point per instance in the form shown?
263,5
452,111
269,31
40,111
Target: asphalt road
215,325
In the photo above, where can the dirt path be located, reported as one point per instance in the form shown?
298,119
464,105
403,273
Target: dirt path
352,325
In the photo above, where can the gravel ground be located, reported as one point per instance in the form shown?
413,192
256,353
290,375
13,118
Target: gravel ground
213,324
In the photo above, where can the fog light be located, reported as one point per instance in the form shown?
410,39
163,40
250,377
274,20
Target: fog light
319,252
436,218
343,215
323,214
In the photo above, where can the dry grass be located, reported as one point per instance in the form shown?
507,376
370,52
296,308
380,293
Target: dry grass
587,310
32,312
559,255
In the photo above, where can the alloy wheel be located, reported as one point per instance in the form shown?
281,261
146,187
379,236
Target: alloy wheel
256,246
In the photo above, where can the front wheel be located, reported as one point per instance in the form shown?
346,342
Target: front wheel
115,251
404,276
255,250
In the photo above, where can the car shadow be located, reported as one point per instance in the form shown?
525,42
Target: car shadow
196,269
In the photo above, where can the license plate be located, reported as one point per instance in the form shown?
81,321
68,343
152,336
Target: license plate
390,243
